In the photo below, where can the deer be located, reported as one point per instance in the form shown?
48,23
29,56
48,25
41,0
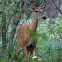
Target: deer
23,34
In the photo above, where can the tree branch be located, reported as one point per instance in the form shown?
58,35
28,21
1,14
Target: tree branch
56,7
11,16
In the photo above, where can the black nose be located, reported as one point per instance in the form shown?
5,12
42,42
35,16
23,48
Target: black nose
44,18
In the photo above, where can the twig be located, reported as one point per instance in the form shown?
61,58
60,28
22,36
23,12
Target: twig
11,17
9,20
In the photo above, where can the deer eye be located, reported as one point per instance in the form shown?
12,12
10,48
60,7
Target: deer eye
36,11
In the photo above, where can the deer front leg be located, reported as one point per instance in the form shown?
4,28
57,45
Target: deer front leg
34,50
29,53
25,50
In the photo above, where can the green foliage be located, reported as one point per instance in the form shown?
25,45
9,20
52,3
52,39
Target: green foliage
49,40
49,37
33,33
17,0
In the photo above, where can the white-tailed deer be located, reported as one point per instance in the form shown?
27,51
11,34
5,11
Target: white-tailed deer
23,36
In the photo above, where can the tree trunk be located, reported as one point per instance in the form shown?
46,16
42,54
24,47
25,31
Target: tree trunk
4,29
4,32
15,23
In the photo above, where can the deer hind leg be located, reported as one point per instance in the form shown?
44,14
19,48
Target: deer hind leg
18,50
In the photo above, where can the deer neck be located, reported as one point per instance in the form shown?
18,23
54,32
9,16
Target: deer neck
34,24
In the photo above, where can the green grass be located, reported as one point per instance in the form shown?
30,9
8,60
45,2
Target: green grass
48,41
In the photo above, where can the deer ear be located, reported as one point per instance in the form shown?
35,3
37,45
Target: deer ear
33,8
43,5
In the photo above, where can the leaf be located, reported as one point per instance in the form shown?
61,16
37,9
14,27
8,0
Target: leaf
1,60
0,1
1,9
32,32
17,0
8,7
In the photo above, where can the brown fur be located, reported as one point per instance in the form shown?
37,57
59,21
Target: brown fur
23,36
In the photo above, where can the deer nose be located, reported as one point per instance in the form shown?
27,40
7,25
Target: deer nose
44,18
